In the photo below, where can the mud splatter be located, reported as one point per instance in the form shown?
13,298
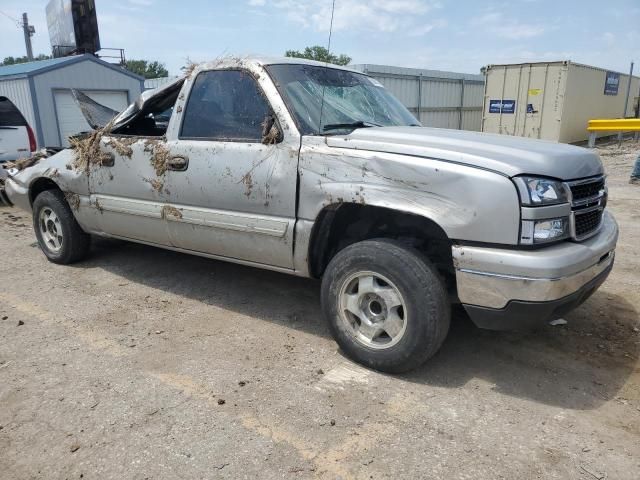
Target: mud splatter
159,155
87,151
122,146
51,173
168,210
270,132
22,163
73,199
247,180
156,184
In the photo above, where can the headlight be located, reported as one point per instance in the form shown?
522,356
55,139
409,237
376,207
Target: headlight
543,231
541,191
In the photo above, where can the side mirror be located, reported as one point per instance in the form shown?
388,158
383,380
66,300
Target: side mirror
271,133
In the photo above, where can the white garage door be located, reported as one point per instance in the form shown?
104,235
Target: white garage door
70,118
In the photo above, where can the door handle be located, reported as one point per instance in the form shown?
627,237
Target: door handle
107,159
177,164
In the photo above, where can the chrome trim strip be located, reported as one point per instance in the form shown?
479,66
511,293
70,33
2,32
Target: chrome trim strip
205,217
490,290
585,201
128,206
584,181
605,257
546,212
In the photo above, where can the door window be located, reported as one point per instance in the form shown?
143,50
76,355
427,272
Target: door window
225,105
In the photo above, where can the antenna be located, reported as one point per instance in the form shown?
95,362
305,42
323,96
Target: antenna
333,8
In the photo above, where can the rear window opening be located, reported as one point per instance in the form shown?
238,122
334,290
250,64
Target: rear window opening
10,116
149,117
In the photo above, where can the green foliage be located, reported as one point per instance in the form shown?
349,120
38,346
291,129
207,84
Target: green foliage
319,54
147,69
16,60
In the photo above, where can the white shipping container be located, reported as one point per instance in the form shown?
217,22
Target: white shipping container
552,100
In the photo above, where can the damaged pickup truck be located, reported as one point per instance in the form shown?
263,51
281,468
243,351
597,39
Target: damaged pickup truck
318,171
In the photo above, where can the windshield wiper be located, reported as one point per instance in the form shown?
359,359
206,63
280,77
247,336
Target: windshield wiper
353,125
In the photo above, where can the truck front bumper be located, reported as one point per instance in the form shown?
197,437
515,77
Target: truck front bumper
504,289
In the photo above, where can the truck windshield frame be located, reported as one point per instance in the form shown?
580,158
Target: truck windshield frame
340,97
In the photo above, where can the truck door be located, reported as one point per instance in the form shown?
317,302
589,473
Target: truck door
229,194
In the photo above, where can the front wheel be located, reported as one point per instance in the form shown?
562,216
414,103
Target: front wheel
386,305
60,237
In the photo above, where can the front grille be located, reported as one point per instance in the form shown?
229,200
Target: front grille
587,222
580,191
588,200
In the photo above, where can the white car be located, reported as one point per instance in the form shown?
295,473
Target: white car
17,139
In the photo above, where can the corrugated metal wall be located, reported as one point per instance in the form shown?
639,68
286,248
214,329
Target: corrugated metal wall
436,98
85,75
17,90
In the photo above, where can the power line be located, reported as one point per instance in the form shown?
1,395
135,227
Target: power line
17,22
333,8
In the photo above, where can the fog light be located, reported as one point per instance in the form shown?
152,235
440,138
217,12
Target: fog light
543,231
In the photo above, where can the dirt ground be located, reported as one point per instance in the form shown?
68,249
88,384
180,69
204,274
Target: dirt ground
143,363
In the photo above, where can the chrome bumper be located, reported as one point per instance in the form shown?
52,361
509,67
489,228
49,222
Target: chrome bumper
493,277
4,199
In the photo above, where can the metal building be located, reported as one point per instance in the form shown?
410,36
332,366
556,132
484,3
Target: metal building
437,98
41,91
553,100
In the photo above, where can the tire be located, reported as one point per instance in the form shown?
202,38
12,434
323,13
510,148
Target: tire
361,289
60,237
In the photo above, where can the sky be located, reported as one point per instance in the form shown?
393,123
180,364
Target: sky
455,35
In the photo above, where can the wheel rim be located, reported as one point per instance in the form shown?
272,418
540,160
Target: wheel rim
50,229
373,310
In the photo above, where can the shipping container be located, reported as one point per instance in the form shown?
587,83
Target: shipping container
553,100
437,98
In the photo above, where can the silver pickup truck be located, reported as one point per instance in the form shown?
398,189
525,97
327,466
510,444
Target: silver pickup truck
317,171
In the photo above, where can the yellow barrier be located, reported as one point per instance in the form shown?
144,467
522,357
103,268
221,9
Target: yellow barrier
611,125
615,125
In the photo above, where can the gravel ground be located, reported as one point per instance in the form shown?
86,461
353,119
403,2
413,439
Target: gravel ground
144,363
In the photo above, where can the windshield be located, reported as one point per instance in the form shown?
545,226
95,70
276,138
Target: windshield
351,100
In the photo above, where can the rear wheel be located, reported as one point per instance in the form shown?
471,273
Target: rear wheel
386,305
60,237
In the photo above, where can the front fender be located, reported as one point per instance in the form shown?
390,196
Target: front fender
469,203
58,168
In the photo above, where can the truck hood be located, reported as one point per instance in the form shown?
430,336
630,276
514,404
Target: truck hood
504,154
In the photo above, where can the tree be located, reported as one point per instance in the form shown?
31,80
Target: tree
320,54
16,60
147,69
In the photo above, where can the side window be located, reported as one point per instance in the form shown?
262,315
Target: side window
225,105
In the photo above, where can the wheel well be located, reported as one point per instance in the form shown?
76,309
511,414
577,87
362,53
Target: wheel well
39,186
339,226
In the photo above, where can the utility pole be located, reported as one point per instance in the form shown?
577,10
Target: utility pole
28,30
626,98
